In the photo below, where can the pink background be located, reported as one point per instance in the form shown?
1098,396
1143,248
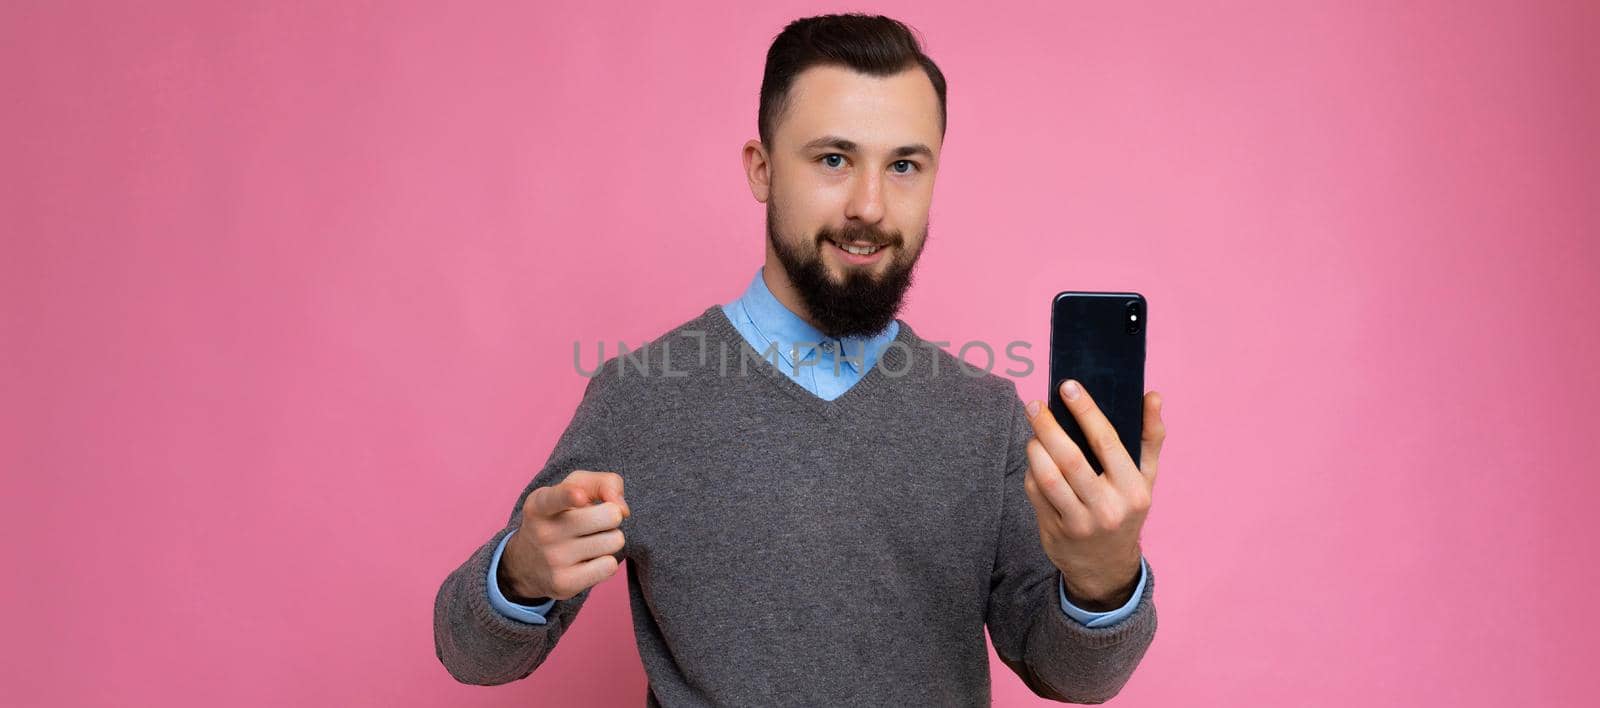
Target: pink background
289,298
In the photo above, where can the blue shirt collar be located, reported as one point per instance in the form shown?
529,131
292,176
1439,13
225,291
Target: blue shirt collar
779,324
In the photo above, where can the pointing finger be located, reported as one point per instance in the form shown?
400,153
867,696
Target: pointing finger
599,486
602,486
611,491
549,501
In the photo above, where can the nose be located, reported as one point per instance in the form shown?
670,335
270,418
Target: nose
866,198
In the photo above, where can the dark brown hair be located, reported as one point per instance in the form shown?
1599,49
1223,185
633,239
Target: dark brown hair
869,44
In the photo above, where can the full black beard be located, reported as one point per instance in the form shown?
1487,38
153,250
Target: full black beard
862,305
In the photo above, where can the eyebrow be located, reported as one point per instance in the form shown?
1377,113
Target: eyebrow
843,145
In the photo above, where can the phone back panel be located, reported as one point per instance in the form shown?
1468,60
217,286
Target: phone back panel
1099,339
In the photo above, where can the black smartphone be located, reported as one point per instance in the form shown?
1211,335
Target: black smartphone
1098,339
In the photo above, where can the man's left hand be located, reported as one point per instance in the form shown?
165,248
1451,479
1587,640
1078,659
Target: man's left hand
1090,523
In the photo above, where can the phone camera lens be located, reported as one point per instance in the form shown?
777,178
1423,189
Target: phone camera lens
1133,323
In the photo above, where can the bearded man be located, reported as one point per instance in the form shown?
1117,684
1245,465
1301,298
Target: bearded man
835,514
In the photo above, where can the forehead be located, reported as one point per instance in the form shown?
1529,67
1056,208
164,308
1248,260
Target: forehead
878,112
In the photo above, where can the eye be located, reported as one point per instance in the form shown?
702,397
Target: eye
909,166
832,156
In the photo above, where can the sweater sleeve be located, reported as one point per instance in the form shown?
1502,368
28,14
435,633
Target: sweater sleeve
1056,656
477,643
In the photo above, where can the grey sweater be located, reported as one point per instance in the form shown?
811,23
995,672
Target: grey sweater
853,549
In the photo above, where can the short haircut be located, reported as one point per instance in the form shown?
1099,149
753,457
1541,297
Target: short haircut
869,44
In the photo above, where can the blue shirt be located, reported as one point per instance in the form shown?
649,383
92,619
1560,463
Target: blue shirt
827,367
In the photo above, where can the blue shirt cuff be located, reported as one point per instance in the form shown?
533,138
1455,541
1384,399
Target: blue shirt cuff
1102,619
532,614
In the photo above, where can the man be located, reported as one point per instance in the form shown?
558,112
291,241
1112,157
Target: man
835,523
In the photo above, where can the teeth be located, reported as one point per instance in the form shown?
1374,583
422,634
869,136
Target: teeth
858,250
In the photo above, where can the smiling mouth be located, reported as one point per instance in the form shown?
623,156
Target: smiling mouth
858,247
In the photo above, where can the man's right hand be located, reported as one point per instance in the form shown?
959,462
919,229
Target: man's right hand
566,541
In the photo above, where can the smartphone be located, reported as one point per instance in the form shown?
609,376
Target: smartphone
1098,339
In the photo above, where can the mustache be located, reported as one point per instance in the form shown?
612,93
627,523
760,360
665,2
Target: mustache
861,233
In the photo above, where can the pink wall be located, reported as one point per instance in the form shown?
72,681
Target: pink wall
289,296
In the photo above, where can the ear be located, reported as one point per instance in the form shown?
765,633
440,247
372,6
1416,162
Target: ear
758,170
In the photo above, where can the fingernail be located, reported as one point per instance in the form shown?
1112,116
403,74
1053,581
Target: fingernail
1071,389
1033,409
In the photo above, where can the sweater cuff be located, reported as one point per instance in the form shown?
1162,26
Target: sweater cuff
1097,619
531,614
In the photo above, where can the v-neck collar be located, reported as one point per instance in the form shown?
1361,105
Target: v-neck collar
895,357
